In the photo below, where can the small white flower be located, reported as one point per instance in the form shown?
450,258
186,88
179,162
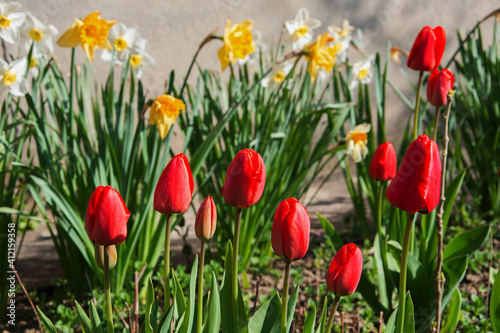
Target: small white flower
362,72
11,20
299,31
260,48
356,141
139,57
123,40
12,78
277,76
35,31
342,37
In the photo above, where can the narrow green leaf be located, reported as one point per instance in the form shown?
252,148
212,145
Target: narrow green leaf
451,313
409,318
324,314
84,319
180,301
466,242
213,316
310,321
94,319
46,321
190,311
266,316
390,327
166,320
150,295
495,305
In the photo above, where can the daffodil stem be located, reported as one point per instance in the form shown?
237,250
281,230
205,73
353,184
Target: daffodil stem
332,314
235,266
107,291
284,301
438,277
417,104
436,122
166,266
200,287
71,91
402,274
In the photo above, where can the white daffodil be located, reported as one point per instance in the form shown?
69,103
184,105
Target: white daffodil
34,62
342,37
35,31
299,31
123,40
362,72
260,48
356,140
12,78
139,58
11,20
277,76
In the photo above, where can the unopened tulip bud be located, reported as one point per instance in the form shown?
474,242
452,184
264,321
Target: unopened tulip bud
384,163
99,256
245,179
428,49
291,229
345,270
206,220
439,85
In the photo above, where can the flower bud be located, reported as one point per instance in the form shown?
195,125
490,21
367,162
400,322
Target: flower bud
384,163
291,228
106,217
440,83
99,256
175,187
206,220
245,179
345,270
428,49
417,184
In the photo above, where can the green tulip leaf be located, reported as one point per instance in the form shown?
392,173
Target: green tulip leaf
292,301
150,297
84,319
466,242
94,319
190,311
213,316
390,327
166,320
179,300
46,321
495,305
322,319
451,313
409,318
266,316
310,321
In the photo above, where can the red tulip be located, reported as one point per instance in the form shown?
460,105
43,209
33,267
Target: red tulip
438,86
175,187
291,228
345,270
106,217
384,163
245,179
428,49
206,220
417,185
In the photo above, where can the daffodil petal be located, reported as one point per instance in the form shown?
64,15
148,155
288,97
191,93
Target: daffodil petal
71,38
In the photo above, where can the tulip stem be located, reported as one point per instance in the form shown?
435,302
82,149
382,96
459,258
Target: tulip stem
417,104
166,267
107,291
438,277
332,314
235,266
200,287
402,274
436,121
284,302
379,207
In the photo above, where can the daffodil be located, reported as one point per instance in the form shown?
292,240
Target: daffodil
299,31
34,62
342,37
122,39
362,72
11,20
238,42
319,54
12,78
356,140
278,76
139,58
91,32
260,48
35,31
164,111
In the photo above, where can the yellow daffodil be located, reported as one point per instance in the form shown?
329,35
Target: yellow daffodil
91,32
342,37
164,111
238,42
356,140
319,54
